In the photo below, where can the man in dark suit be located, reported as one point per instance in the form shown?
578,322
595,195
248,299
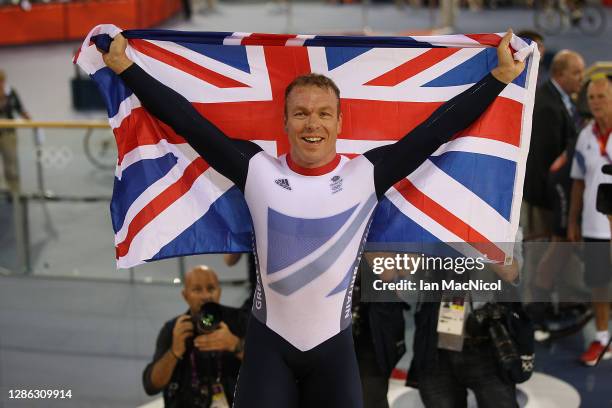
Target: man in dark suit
547,181
552,138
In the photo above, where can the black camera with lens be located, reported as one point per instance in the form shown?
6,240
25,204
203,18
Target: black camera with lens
208,319
604,193
489,321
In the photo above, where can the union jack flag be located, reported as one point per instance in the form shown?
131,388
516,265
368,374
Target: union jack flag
167,201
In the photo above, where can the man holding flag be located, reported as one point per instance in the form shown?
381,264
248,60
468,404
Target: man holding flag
311,210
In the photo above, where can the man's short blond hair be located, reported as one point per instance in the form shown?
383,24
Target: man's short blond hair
600,78
313,79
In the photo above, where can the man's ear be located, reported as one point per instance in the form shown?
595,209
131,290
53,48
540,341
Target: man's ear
340,123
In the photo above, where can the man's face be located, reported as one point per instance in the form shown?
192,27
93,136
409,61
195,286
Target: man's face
201,286
570,79
312,124
599,97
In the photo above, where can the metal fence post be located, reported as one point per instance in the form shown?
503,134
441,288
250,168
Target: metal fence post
182,267
38,141
21,233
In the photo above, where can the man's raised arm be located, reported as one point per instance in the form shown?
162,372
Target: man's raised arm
228,156
394,162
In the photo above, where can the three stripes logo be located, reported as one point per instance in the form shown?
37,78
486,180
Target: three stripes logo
284,183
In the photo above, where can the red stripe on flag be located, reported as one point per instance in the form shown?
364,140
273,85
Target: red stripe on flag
185,65
382,120
150,132
76,56
448,220
363,120
413,67
492,40
246,120
267,39
501,121
160,203
486,39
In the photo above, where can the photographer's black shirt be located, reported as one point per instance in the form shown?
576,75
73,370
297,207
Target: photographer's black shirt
183,389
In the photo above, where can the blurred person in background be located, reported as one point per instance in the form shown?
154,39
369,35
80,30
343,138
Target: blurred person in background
205,6
378,332
191,366
187,9
593,150
447,363
553,136
10,108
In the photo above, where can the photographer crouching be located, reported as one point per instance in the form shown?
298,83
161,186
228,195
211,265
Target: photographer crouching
461,344
197,355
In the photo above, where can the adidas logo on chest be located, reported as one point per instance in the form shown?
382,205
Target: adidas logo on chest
284,183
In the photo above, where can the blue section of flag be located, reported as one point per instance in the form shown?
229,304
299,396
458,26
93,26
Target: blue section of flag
233,56
196,37
112,89
490,178
226,227
134,181
472,70
102,41
392,226
338,56
394,231
521,80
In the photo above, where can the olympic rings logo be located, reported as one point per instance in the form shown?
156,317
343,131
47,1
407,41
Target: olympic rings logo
56,157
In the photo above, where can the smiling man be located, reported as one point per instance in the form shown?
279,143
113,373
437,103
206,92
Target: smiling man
311,210
312,119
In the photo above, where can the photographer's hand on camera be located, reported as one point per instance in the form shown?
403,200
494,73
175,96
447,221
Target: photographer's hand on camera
183,329
163,368
221,339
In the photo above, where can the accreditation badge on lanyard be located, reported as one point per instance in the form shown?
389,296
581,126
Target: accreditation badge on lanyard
219,400
216,392
451,322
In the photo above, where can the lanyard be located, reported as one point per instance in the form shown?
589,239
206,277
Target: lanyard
602,140
195,378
